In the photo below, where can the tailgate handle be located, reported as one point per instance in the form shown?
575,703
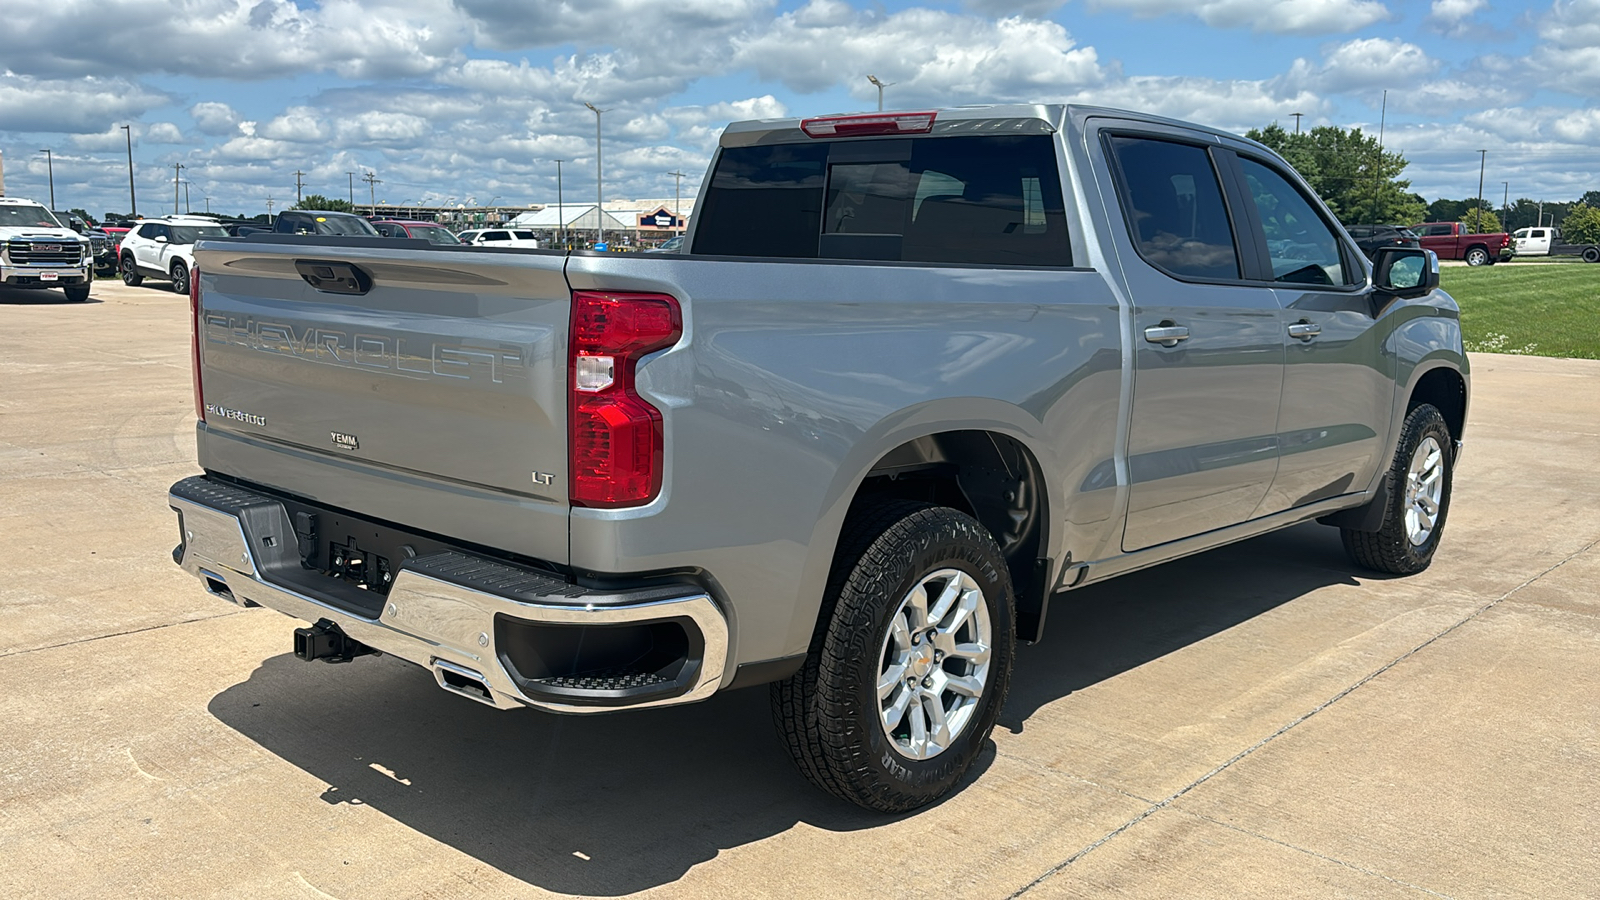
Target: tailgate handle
333,277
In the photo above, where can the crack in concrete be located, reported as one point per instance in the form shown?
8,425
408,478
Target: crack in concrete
102,637
1312,853
1163,804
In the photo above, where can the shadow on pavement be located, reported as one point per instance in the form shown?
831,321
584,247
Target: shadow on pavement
13,296
1103,630
645,796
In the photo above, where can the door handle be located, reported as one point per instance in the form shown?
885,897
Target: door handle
1166,334
1305,331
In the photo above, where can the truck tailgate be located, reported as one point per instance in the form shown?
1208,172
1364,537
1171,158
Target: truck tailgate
436,398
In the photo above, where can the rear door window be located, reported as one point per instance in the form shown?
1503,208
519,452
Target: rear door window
524,235
977,200
1172,199
496,236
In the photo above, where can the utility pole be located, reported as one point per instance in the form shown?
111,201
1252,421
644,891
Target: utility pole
50,165
1297,118
208,203
297,186
352,179
1505,205
1377,177
186,207
133,203
599,192
270,201
372,180
561,215
677,201
1477,213
177,171
880,86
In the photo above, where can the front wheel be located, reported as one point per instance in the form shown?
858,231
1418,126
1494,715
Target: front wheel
180,278
1478,256
130,272
77,293
910,664
1419,499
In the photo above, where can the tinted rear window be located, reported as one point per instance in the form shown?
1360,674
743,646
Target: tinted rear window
984,200
1173,203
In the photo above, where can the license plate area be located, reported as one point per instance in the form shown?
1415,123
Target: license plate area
49,276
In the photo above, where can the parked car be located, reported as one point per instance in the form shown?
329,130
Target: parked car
164,248
1454,240
432,232
101,245
1369,238
325,222
38,251
499,237
894,402
1547,242
671,245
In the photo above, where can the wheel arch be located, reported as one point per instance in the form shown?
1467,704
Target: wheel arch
968,460
1445,388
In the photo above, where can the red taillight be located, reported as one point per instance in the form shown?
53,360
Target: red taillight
868,123
194,342
616,436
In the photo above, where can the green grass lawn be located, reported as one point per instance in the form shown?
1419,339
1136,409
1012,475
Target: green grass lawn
1544,309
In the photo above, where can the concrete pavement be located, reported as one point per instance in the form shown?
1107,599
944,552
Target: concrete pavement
1263,720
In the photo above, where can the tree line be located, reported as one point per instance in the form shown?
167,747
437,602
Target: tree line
1361,183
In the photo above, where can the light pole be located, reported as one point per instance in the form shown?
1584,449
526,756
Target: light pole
1505,204
50,166
599,193
177,173
1477,212
351,177
677,202
880,86
561,215
133,202
186,207
1297,118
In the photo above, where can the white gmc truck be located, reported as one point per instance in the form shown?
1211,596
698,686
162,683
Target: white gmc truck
37,251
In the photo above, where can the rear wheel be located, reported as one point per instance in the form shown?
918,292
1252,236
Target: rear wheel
1419,499
1478,256
130,272
180,278
76,293
911,661
1591,254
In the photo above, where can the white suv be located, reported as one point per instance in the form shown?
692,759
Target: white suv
164,248
499,237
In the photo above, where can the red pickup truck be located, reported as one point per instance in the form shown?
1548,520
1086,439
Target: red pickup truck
1452,240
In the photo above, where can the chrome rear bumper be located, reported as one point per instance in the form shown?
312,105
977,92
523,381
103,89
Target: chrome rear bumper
444,612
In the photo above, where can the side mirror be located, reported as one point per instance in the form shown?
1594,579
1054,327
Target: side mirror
1405,271
160,239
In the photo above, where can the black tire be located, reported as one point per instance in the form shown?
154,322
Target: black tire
1390,549
827,714
180,278
1591,254
1477,256
76,293
130,272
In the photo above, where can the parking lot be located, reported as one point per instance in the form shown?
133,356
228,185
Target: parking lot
1262,720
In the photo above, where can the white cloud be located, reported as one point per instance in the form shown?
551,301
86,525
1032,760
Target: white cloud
297,124
1569,60
1235,106
164,133
1306,17
75,106
1363,64
933,57
214,118
244,39
667,28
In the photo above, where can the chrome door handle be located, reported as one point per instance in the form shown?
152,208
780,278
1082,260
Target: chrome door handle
1305,331
1166,335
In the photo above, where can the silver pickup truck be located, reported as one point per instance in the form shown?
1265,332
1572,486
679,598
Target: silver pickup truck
918,373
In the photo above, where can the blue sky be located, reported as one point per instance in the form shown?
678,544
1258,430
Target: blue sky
471,100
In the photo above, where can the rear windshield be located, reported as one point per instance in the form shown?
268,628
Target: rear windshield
992,200
433,234
188,234
19,216
326,224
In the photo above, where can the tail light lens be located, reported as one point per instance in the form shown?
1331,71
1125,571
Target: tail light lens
194,342
616,436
